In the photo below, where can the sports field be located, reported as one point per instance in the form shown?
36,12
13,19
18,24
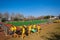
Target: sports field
48,32
20,23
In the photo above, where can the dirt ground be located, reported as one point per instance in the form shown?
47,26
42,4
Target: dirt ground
47,31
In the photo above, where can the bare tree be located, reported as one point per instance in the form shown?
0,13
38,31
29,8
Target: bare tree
12,16
59,16
31,17
19,16
6,15
1,17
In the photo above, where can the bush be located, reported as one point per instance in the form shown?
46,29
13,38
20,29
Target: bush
3,19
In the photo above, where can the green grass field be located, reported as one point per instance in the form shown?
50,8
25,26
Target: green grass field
20,23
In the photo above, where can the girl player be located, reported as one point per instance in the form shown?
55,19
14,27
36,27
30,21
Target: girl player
29,29
23,32
38,28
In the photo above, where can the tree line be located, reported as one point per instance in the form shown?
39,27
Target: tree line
20,17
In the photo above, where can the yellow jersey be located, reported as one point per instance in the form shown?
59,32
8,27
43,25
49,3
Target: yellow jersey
34,26
38,27
23,30
12,29
30,27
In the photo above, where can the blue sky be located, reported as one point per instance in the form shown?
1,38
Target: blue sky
31,7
